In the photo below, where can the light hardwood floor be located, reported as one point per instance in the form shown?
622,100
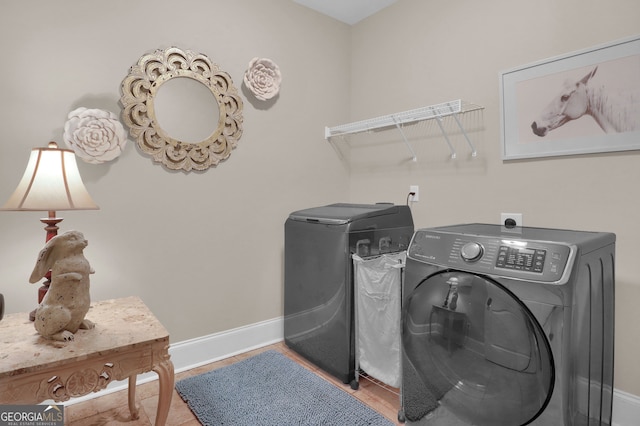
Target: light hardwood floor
113,409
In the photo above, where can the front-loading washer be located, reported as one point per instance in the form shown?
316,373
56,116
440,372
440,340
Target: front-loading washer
508,327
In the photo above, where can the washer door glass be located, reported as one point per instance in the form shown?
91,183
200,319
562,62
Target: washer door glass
473,353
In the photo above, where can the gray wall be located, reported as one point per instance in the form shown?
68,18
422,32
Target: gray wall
418,53
204,250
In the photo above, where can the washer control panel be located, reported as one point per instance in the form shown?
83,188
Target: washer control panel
471,251
523,259
506,256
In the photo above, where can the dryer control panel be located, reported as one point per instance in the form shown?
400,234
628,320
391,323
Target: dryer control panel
503,255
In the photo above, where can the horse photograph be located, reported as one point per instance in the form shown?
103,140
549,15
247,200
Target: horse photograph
603,98
577,104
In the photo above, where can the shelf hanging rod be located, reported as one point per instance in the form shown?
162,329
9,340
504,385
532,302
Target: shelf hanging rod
414,158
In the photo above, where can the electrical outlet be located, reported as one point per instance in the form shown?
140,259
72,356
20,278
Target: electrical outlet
511,220
416,193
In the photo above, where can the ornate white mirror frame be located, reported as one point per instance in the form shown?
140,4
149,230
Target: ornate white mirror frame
139,89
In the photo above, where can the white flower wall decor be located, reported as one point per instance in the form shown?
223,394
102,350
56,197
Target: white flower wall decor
263,78
95,135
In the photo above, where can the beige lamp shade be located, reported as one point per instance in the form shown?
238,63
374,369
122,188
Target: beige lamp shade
51,182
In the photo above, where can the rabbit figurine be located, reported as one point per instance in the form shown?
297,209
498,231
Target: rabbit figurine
62,310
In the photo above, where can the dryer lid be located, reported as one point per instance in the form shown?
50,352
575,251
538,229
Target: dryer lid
477,350
342,213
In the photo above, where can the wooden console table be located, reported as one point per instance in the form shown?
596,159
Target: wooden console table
128,340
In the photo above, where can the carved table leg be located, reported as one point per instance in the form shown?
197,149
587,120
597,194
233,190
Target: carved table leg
166,381
132,397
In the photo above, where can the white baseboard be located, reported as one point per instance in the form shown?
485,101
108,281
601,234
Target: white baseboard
626,409
193,353
204,350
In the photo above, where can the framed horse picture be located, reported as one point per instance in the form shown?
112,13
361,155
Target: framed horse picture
582,102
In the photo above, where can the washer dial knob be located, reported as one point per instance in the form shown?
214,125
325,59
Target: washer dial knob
471,251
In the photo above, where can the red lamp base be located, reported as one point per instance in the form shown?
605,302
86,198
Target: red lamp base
52,230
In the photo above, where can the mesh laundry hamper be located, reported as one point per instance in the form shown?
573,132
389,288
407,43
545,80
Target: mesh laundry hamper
377,283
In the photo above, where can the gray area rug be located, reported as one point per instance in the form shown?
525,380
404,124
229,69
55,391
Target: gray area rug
270,389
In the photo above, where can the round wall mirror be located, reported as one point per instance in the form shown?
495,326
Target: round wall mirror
187,110
181,109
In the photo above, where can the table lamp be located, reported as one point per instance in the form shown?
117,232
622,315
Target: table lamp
51,182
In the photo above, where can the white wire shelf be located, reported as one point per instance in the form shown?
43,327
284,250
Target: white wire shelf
433,112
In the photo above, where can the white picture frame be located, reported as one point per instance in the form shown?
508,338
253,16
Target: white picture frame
532,103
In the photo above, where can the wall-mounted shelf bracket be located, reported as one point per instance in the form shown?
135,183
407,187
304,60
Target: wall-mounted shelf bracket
397,120
466,137
446,138
414,158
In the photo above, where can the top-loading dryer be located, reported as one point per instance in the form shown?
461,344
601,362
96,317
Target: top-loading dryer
508,327
318,275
